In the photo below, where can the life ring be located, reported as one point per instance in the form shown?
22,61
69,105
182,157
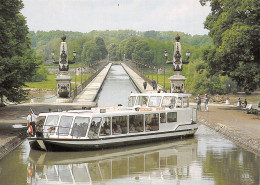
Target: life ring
30,171
30,130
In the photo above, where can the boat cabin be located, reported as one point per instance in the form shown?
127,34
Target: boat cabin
172,100
146,113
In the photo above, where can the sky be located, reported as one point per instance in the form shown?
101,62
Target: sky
141,15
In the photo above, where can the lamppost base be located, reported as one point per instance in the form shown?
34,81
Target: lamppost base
177,83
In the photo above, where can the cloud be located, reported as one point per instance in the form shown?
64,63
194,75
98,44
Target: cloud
86,15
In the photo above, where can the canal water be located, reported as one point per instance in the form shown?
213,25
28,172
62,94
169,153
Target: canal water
116,88
205,159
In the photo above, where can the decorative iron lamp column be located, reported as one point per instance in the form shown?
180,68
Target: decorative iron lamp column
177,80
64,79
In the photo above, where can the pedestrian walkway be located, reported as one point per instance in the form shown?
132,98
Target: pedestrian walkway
88,95
138,81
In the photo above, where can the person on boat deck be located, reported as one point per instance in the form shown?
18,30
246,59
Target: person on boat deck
118,129
148,127
107,128
93,128
31,119
144,104
139,128
132,128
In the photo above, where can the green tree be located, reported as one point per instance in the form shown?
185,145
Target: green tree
91,52
234,27
17,61
114,53
129,47
142,52
198,80
40,74
101,47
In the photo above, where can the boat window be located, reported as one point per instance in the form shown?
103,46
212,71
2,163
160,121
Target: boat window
105,127
162,118
94,127
131,101
172,117
151,122
142,101
51,124
136,123
179,102
64,126
155,101
185,101
119,125
168,101
80,127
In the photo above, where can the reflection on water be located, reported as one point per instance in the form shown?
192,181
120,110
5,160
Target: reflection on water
169,161
116,89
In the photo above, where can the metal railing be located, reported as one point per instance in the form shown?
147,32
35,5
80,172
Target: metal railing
80,88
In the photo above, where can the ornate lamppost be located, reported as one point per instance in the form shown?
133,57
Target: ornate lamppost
177,80
63,79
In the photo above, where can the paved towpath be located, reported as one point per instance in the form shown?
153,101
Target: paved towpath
89,93
138,81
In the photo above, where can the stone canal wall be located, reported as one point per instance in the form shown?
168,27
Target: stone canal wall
10,139
234,134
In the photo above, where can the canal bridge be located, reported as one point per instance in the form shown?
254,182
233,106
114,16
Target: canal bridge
88,95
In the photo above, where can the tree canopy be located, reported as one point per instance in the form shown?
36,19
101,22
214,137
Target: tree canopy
235,29
17,61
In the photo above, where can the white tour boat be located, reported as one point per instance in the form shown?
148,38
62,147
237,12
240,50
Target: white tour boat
148,118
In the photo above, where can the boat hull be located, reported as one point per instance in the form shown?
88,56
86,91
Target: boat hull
47,144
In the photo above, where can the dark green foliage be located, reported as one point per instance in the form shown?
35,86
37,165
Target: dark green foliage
88,49
151,34
44,42
114,52
129,48
40,74
234,27
90,52
17,61
142,52
101,47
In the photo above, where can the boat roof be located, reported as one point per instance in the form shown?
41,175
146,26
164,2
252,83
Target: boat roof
116,110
